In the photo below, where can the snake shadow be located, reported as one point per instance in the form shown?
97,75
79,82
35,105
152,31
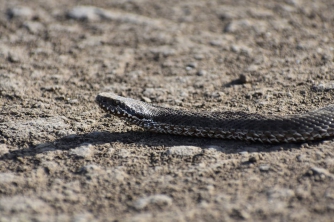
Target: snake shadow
150,140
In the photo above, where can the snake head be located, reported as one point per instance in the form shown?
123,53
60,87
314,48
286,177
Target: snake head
122,107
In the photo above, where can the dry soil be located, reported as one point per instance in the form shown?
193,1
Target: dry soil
63,159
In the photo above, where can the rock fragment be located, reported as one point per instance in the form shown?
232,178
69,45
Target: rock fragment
159,200
20,12
184,150
84,151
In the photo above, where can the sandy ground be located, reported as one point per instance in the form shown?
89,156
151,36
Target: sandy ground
64,159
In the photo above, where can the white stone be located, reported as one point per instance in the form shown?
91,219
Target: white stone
184,150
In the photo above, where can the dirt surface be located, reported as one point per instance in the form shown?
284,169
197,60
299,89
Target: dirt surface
64,159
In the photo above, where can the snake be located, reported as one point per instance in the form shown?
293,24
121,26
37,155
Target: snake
237,125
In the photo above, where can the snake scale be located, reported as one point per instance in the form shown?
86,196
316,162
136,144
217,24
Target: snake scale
314,125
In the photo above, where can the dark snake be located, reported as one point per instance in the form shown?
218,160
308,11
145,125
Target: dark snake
314,125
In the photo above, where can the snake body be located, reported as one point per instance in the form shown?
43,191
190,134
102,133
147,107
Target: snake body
314,125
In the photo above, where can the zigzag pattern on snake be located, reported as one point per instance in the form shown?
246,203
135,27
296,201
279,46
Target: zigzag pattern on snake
314,125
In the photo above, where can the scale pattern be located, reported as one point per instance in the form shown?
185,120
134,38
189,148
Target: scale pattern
309,126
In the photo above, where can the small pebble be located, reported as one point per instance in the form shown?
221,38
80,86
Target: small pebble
264,167
184,150
192,65
86,13
73,101
3,149
159,199
84,151
33,27
199,56
201,73
321,171
146,99
243,78
253,159
243,153
324,86
50,166
82,217
13,58
20,12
